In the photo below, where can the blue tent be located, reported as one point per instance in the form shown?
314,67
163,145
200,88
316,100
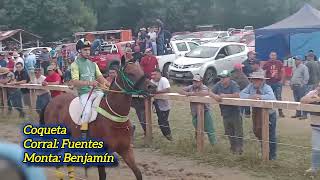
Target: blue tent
294,35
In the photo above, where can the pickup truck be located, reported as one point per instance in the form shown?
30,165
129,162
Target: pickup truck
177,49
108,55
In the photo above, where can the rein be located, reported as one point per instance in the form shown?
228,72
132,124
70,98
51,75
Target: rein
129,88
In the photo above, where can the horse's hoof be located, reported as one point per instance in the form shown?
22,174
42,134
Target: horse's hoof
311,173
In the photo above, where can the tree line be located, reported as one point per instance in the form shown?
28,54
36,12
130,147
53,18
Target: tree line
58,19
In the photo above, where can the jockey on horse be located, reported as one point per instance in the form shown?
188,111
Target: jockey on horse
86,73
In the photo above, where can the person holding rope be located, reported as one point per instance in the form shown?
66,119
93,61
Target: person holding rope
86,73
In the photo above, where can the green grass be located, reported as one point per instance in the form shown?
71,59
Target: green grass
290,165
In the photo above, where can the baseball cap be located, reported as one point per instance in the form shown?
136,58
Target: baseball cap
224,74
298,57
238,66
197,77
157,70
148,50
50,68
252,52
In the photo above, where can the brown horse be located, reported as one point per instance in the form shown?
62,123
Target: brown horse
117,136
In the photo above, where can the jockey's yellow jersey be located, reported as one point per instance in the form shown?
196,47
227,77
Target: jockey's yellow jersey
84,70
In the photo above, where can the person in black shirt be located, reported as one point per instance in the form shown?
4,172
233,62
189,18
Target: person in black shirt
22,77
14,94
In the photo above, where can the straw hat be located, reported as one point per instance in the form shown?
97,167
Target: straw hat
4,70
258,75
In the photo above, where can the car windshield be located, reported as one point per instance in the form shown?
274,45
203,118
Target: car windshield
24,52
210,35
233,39
202,52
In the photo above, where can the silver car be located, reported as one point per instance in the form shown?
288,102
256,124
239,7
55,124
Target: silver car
208,60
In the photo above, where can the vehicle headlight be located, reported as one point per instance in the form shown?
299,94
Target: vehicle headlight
196,65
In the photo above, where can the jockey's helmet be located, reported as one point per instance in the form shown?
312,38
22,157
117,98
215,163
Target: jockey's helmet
82,43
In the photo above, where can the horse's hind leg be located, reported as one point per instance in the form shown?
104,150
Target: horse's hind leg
128,157
102,173
59,174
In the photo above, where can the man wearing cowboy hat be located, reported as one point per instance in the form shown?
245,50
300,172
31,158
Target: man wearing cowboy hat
259,90
199,89
6,75
14,95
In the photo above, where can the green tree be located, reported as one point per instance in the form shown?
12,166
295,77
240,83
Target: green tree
50,19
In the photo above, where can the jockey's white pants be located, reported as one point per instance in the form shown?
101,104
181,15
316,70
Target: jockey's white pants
86,115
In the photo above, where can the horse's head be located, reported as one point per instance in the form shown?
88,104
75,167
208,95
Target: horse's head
133,79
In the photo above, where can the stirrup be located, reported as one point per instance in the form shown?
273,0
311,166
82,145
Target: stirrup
84,130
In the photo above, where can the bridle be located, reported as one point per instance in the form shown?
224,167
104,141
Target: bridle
129,86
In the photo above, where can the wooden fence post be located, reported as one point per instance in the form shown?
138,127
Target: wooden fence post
148,118
5,100
200,127
265,134
33,98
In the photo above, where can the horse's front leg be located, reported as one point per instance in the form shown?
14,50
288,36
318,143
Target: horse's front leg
71,173
128,157
102,173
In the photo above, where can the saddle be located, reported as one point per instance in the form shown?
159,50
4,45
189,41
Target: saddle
75,110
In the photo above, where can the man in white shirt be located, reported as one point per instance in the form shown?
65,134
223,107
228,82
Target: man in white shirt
17,59
43,96
162,106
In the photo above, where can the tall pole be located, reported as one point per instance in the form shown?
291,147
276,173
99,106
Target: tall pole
20,36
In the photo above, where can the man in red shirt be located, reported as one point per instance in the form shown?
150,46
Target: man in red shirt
10,64
274,71
149,63
53,78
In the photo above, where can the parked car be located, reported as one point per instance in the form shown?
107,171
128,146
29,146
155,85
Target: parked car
248,28
236,31
177,49
108,55
34,50
245,38
208,60
207,36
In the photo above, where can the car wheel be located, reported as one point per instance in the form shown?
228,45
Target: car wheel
210,77
165,70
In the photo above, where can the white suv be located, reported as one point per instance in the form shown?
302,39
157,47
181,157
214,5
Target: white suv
208,60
